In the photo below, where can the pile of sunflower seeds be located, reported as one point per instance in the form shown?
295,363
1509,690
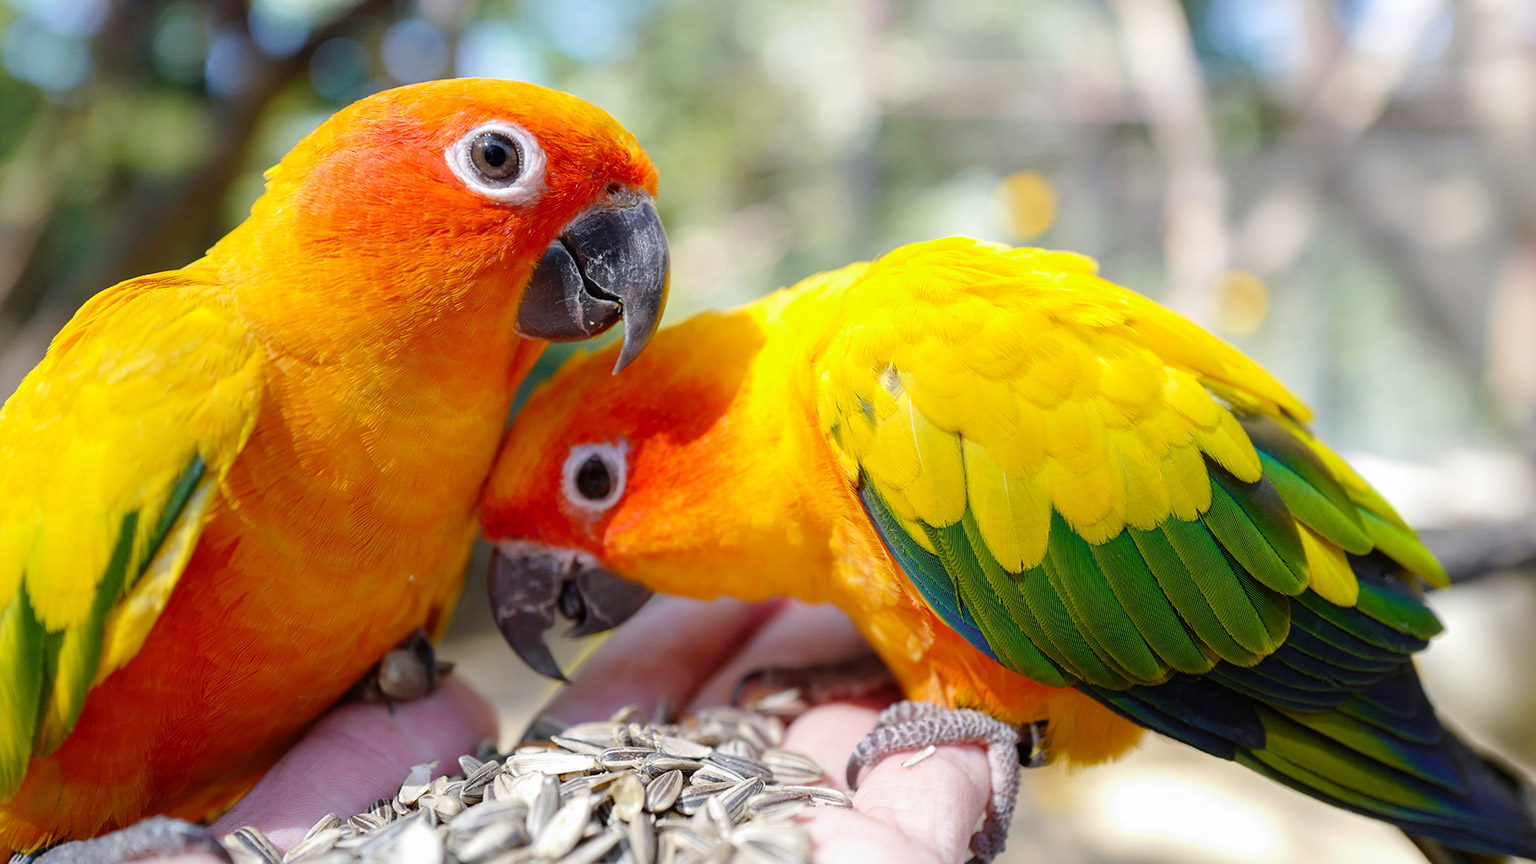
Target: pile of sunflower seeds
714,788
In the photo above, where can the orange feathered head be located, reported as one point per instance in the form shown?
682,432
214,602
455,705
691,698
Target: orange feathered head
450,193
650,479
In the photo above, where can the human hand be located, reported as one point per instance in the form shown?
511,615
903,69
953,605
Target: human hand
692,655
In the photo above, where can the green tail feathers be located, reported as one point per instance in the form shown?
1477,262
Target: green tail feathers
1422,779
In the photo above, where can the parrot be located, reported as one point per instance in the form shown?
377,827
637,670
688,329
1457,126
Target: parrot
229,489
1060,513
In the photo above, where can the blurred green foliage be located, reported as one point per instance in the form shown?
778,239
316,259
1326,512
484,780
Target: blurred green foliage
1324,147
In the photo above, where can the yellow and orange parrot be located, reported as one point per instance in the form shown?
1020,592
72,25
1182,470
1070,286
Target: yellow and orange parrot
229,489
1044,500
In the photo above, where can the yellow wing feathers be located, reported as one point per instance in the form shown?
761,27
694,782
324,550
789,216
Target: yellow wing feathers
1019,381
113,446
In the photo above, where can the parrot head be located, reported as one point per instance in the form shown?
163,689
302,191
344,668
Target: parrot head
594,481
461,194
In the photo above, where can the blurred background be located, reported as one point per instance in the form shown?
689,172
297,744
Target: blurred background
1345,189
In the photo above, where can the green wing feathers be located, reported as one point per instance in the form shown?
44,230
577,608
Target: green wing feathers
1095,476
1099,494
114,446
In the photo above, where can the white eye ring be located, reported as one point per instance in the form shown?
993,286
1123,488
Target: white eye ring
522,188
589,468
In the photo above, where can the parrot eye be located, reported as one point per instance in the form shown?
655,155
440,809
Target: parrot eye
500,161
594,475
495,156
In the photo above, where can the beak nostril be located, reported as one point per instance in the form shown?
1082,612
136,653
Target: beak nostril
614,187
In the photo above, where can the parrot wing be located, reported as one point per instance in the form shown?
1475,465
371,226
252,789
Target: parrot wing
1097,493
114,448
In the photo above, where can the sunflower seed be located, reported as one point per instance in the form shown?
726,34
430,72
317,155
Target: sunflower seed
711,773
763,730
594,849
821,796
628,798
254,845
579,783
489,840
640,839
313,845
783,702
770,844
326,823
682,747
501,788
626,791
596,782
661,762
769,809
734,799
624,757
743,767
447,807
598,734
480,777
375,843
719,818
692,798
791,767
416,783
738,747
416,844
662,792
545,803
550,762
366,822
478,817
577,745
559,835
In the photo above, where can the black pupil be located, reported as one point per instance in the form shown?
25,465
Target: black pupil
495,156
592,479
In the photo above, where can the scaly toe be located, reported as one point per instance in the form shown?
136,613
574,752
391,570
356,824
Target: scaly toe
914,725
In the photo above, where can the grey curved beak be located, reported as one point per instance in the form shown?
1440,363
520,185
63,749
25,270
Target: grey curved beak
529,584
609,263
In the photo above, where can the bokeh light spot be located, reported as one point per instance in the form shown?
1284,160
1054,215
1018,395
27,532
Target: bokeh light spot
415,50
51,60
231,64
339,70
1242,302
499,49
1028,200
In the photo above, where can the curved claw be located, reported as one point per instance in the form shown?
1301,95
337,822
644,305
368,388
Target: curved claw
609,263
529,584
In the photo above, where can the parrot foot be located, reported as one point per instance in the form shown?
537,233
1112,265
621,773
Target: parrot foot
408,672
909,726
860,677
155,837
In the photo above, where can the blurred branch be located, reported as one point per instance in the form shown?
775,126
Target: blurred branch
1348,91
1163,67
1474,551
1345,93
